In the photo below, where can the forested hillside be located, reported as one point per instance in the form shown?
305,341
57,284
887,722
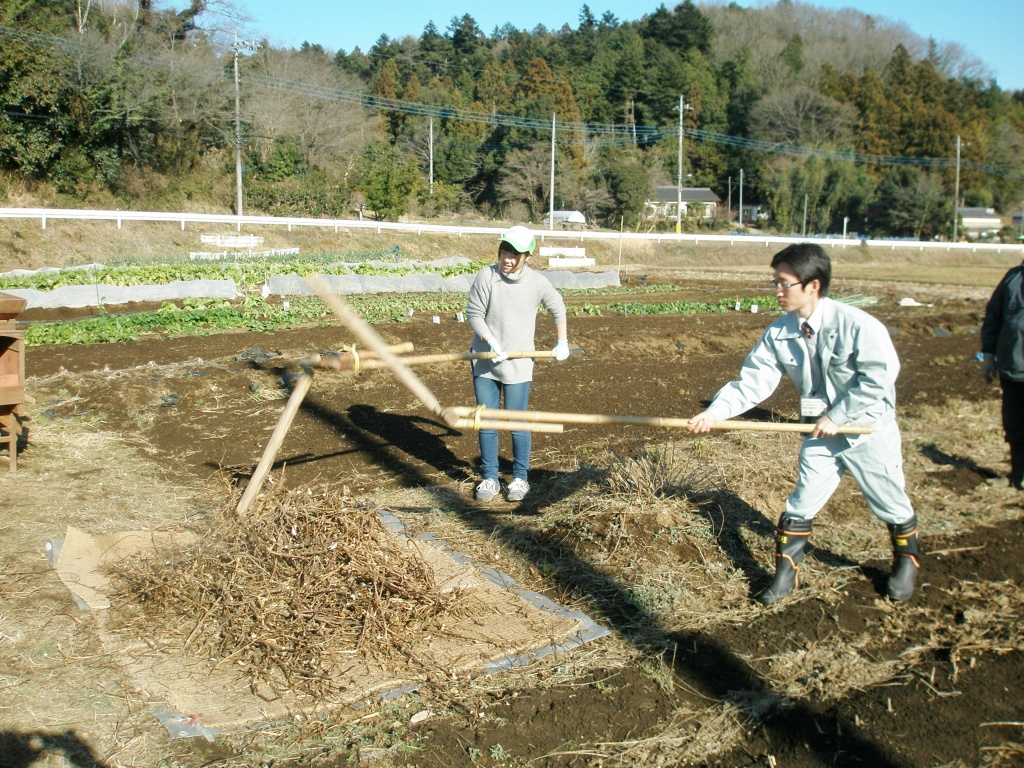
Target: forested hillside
831,117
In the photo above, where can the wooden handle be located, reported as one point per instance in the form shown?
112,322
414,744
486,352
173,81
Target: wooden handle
348,362
771,426
507,424
276,439
366,335
648,421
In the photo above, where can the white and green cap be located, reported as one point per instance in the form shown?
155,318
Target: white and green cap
520,238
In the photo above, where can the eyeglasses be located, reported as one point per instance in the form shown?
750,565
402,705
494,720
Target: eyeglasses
776,285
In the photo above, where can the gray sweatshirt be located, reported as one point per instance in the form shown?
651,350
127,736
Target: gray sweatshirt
506,310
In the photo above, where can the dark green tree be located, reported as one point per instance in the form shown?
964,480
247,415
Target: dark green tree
386,177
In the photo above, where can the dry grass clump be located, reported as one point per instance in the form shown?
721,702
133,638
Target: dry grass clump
689,737
653,515
647,493
291,592
988,621
646,472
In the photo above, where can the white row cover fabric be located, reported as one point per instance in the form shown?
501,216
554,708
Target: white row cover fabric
282,285
101,295
293,285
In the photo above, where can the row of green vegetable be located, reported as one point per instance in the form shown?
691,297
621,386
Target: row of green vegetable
201,317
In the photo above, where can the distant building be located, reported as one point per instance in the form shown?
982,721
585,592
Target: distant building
566,219
979,223
754,213
667,199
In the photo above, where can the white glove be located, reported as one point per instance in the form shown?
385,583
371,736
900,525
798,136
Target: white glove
988,367
561,350
500,355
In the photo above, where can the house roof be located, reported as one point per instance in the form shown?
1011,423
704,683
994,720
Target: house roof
979,213
689,195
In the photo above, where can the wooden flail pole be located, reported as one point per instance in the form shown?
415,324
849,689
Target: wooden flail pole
369,337
291,410
359,362
647,421
379,355
302,386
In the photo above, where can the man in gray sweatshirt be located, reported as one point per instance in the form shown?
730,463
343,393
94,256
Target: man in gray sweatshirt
502,311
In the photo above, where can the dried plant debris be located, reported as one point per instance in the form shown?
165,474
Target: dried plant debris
301,587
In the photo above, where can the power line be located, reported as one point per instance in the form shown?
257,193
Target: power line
598,134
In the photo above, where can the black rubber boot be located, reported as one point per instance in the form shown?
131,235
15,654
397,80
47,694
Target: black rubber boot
905,559
790,541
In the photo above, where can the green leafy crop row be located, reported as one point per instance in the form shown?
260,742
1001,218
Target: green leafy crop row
198,317
764,303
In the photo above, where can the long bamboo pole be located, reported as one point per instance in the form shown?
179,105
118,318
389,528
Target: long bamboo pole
398,349
276,439
349,363
648,421
507,424
366,335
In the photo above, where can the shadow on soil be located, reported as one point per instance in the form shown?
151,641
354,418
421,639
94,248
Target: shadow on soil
706,665
21,750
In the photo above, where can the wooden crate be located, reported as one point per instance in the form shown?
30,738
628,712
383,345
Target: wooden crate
12,375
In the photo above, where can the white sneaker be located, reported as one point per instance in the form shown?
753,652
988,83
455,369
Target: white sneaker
517,489
487,490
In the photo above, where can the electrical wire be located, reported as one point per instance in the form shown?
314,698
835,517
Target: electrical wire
568,132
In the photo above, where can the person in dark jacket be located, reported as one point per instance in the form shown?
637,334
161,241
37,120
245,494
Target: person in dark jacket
1002,348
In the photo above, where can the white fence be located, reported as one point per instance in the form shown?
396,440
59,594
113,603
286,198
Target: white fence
119,217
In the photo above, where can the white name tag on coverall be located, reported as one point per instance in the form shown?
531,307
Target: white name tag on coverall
813,407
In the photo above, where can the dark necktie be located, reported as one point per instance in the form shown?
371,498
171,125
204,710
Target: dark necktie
806,328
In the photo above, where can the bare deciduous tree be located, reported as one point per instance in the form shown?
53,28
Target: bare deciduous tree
525,178
307,98
800,115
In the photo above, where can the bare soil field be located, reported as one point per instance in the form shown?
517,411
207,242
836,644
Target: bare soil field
662,538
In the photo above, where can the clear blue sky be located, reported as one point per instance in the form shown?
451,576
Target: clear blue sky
992,31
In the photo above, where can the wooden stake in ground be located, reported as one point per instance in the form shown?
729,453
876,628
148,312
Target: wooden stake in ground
276,439
647,421
291,409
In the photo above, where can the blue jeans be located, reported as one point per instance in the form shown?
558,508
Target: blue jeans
517,398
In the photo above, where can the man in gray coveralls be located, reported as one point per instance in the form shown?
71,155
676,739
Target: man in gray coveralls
843,363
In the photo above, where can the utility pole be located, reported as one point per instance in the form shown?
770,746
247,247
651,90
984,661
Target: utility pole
741,198
729,212
551,216
803,231
237,47
679,177
956,190
431,156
